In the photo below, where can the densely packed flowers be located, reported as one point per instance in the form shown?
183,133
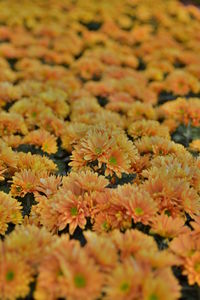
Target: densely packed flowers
99,150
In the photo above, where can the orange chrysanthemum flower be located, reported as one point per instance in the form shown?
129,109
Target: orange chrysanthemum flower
192,268
158,146
84,182
24,182
195,145
98,247
125,281
137,202
49,185
164,286
10,211
147,128
43,139
29,243
34,162
140,110
73,274
173,197
100,146
71,210
11,123
180,82
168,227
182,110
15,277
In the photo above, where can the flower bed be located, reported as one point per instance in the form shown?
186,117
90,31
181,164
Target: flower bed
99,150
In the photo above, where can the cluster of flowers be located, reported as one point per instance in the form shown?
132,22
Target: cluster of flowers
89,85
134,268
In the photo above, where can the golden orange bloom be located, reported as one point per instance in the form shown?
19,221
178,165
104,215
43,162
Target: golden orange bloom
142,128
35,162
13,140
10,212
158,146
11,123
182,166
182,110
97,142
108,94
8,157
138,203
15,277
192,268
43,139
173,197
140,110
72,133
102,222
2,171
133,243
48,184
116,162
84,182
98,247
104,146
162,286
29,243
125,281
24,182
168,227
195,145
185,245
71,210
181,82
73,274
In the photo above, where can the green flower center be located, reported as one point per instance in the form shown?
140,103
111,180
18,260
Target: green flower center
113,160
60,273
124,287
34,114
74,211
9,275
167,212
138,211
79,281
153,297
98,150
197,267
29,185
45,147
105,226
18,188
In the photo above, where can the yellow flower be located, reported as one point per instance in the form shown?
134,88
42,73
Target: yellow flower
10,211
15,277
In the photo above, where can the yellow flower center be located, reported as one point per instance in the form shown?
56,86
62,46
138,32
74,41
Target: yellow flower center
124,287
138,211
113,160
74,211
79,281
9,275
